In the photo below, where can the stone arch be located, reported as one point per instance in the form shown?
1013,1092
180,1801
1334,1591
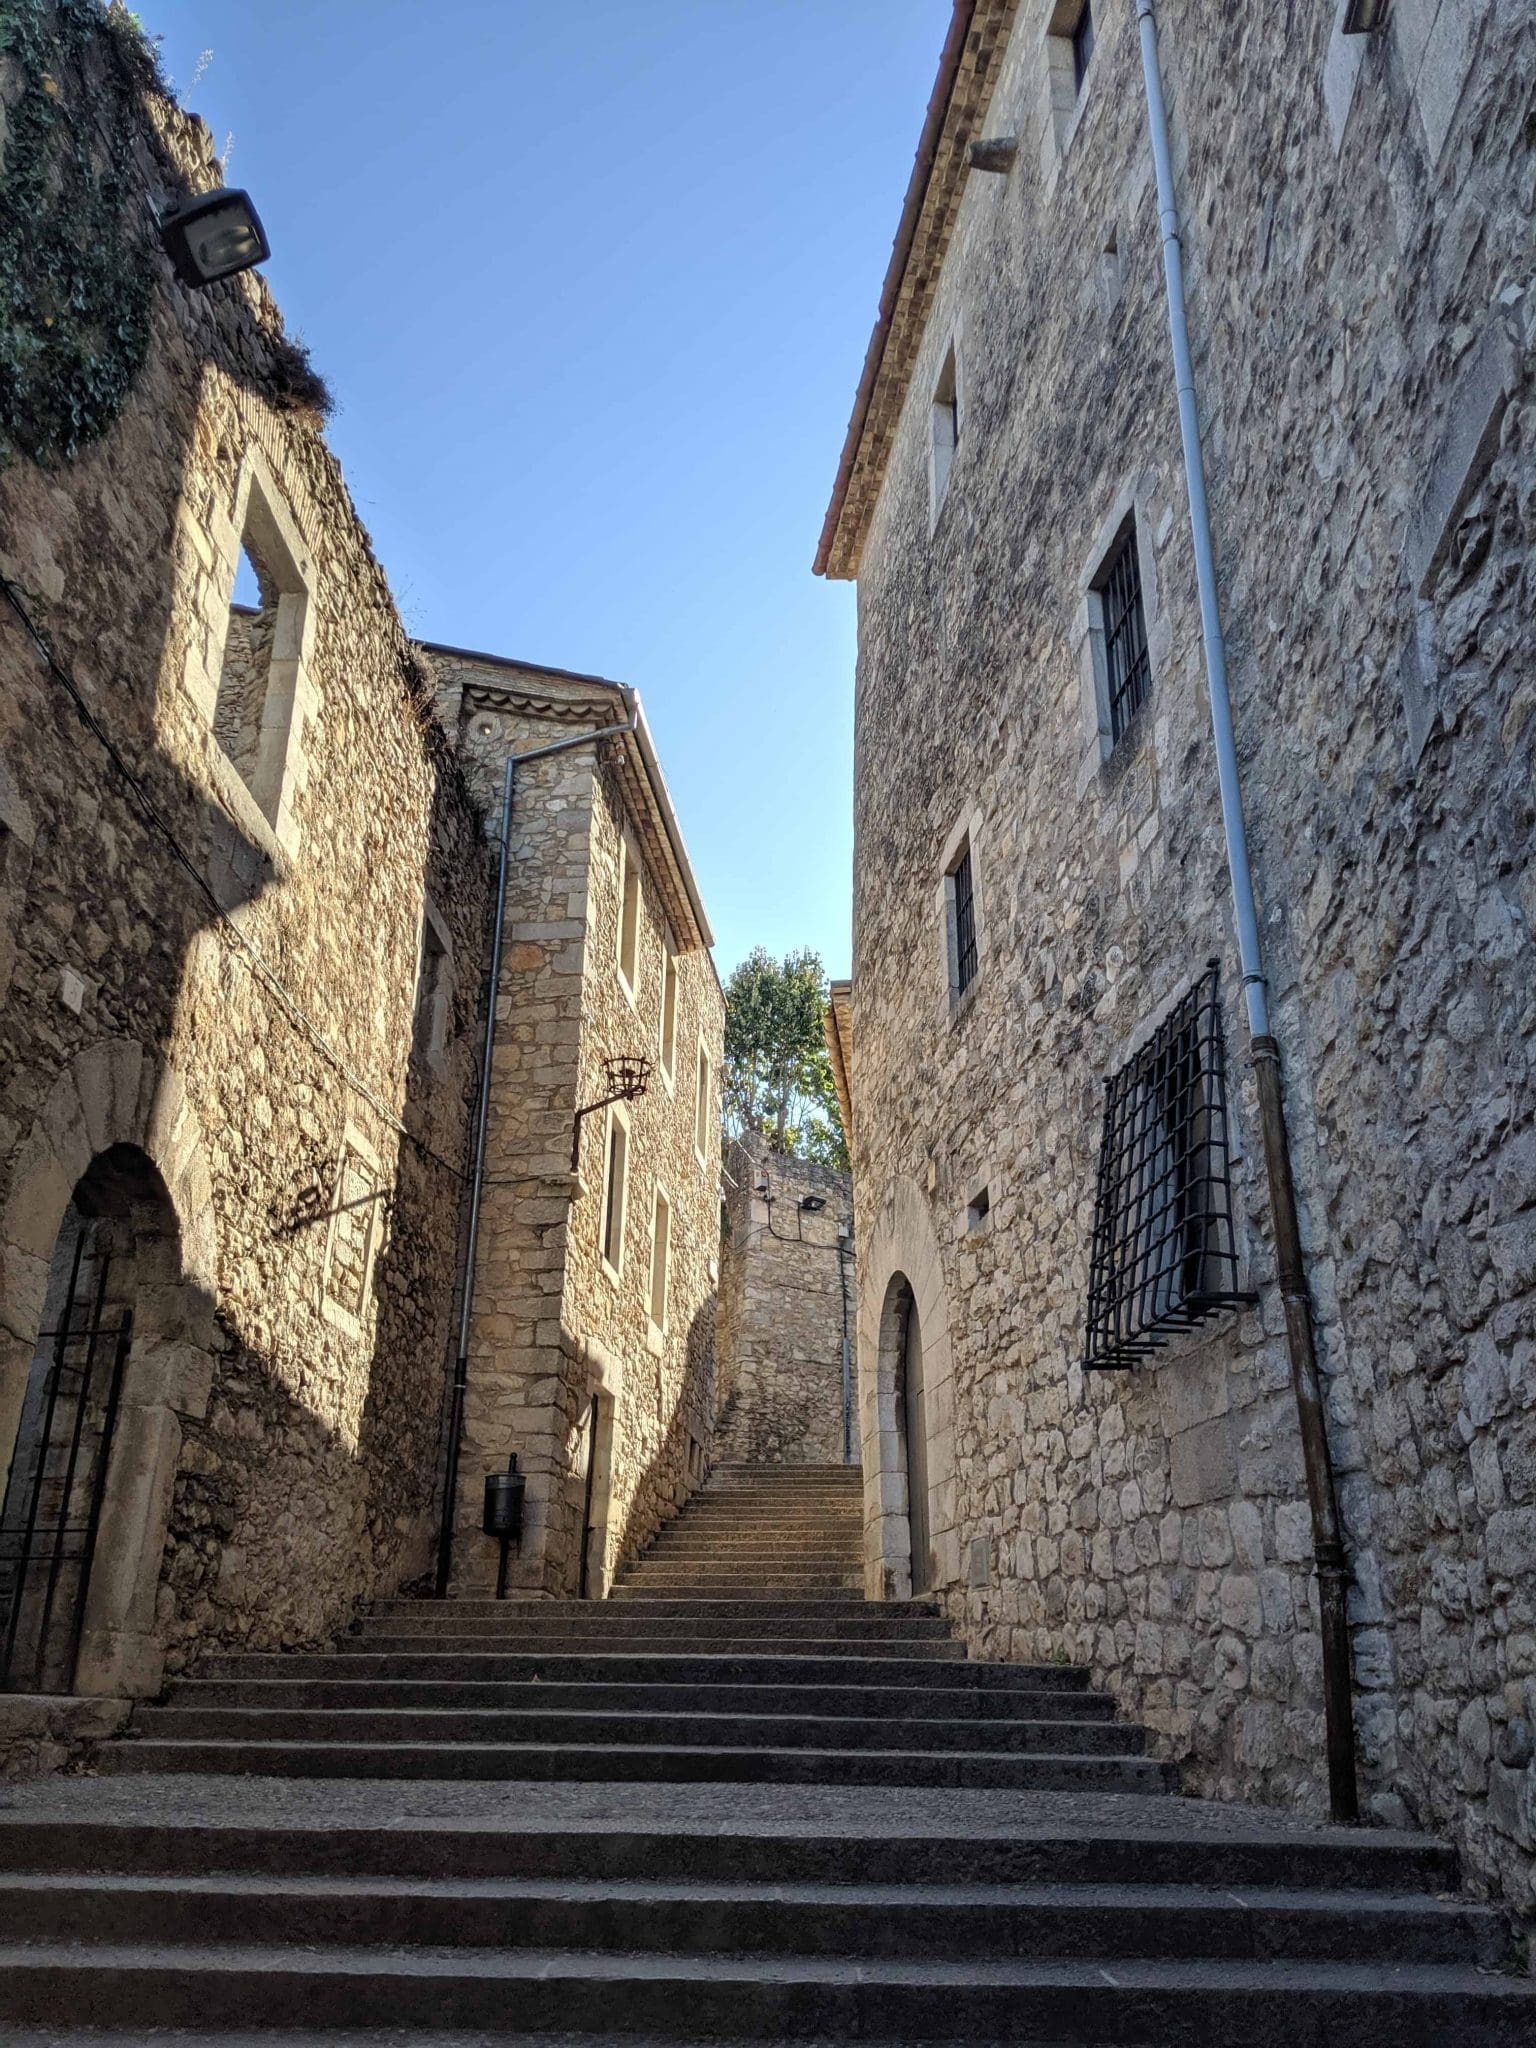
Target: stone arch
902,1260
118,1124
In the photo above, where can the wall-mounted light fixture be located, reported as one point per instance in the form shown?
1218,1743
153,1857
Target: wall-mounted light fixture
214,236
812,1204
1361,17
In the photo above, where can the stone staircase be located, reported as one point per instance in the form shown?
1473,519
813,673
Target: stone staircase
734,1802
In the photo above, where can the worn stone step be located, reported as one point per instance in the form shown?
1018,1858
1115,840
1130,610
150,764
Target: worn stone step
502,1990
599,1763
834,1604
920,1703
941,1649
362,1833
600,1623
683,1584
1146,1921
853,1664
705,1726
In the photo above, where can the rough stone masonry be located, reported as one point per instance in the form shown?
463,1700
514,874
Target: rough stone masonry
1358,236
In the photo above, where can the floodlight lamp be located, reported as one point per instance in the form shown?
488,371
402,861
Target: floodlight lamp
214,236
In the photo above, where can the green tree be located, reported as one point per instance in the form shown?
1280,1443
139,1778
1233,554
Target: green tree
778,1076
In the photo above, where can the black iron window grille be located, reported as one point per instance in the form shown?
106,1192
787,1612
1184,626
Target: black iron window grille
963,883
1082,45
1164,1252
1127,665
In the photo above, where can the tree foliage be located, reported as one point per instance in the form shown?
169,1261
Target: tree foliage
778,1076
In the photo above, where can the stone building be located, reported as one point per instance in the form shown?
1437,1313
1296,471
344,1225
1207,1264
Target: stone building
1040,880
245,891
593,1348
786,1309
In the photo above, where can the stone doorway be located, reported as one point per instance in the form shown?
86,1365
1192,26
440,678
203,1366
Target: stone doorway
95,1441
914,1437
594,1474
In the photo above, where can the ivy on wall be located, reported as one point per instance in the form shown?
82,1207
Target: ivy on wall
76,265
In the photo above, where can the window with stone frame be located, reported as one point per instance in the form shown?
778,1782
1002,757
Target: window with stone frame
615,1190
962,916
254,700
944,427
667,1028
629,919
661,1259
1125,655
434,987
355,1232
703,1105
1069,46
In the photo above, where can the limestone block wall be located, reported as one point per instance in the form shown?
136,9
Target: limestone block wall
1358,241
556,1325
786,1302
233,1027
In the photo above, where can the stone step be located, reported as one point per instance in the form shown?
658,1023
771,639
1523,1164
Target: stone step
834,1605
705,1726
503,1990
667,1843
600,1763
680,1585
1144,1921
827,1600
600,1621
862,1702
942,1649
855,1664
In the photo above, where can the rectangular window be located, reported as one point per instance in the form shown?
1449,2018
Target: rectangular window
1082,44
253,708
661,1256
615,1193
629,917
702,1107
963,912
1164,1253
429,1023
946,427
668,1046
1127,664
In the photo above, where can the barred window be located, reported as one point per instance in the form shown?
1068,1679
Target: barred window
1127,665
1164,1252
963,898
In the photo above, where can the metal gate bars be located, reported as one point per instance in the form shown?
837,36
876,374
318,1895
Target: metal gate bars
53,1497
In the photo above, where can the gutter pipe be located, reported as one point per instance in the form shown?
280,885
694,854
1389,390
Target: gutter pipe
482,1123
1264,1051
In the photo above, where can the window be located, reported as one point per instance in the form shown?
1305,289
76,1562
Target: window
978,1209
1082,44
1127,663
253,705
429,1023
946,428
964,898
629,918
661,1258
615,1191
668,1045
702,1108
355,1229
1164,1254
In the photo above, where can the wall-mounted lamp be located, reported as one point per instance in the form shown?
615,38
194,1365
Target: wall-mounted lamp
214,236
812,1204
1361,17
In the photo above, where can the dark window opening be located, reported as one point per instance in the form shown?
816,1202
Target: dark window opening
1164,1252
978,1209
1082,45
964,887
1127,664
613,1211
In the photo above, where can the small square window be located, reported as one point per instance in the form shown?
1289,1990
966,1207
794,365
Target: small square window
1082,44
1127,661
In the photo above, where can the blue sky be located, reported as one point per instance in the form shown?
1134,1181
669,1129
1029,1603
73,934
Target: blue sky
592,285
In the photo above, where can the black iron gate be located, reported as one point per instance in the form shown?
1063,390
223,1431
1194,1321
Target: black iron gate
53,1495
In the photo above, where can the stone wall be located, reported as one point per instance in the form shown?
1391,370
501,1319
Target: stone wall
786,1302
1358,223
212,968
556,1325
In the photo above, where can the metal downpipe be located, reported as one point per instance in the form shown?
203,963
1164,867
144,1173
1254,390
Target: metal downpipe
1264,1052
482,1125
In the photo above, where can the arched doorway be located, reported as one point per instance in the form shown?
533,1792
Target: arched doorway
914,1433
90,1467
